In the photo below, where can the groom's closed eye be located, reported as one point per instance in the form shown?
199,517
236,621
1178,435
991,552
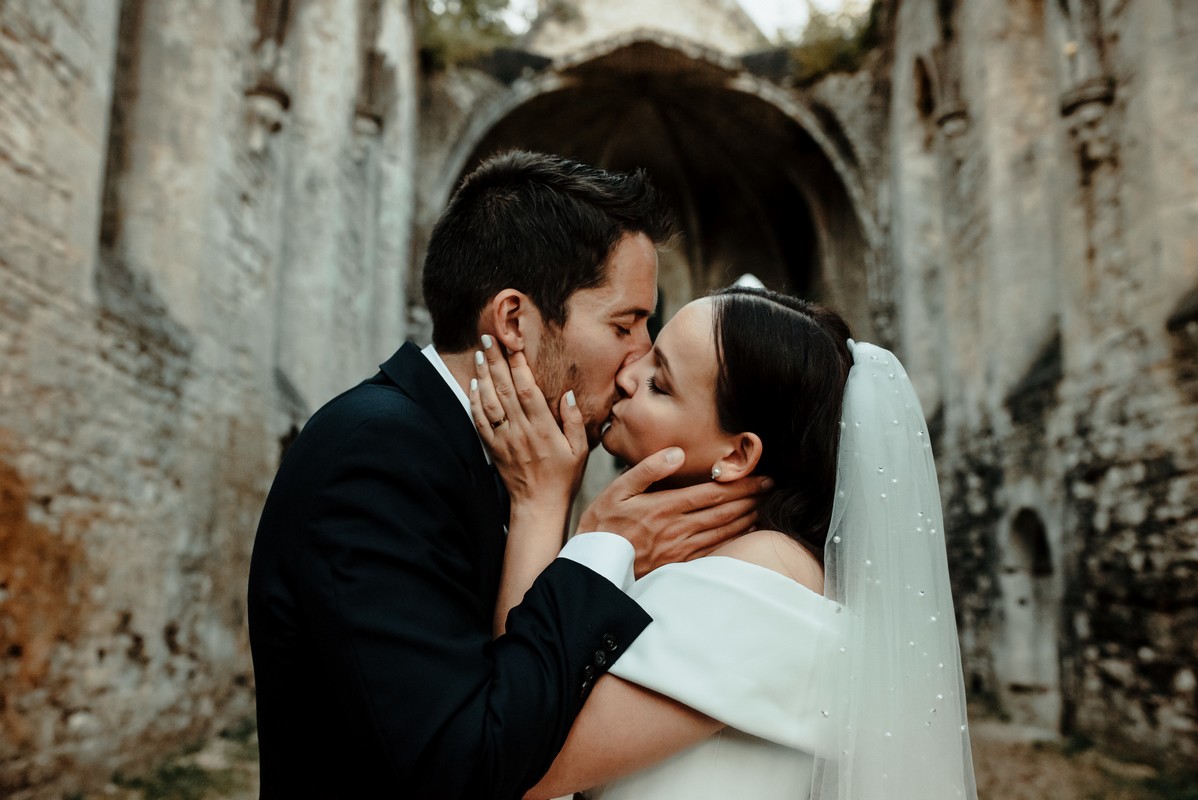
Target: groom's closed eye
624,323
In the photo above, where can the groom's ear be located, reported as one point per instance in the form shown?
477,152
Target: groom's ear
742,459
513,319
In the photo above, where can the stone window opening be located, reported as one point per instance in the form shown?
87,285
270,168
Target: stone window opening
925,101
925,96
1029,542
1028,669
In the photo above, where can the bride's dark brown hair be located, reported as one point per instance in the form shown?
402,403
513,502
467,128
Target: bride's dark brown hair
783,363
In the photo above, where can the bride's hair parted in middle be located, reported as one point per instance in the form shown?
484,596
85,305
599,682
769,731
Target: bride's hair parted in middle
783,363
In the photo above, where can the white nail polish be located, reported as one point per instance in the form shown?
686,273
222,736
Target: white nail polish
570,401
474,384
478,357
487,342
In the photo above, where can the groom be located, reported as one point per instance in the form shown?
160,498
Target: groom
378,556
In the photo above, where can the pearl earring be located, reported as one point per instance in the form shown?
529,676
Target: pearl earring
715,473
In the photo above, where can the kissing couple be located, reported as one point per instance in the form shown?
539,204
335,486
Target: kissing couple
758,608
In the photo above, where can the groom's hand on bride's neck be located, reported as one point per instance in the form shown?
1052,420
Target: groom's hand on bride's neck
672,525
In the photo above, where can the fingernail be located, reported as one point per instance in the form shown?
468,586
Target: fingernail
478,357
487,341
673,455
474,384
767,484
570,398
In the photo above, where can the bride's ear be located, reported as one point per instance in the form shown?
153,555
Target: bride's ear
510,317
742,459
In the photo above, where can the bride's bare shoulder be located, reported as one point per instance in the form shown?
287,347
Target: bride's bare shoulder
777,551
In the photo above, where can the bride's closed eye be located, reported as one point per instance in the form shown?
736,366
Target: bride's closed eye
653,387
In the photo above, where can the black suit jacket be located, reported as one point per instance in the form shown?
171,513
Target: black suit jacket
372,589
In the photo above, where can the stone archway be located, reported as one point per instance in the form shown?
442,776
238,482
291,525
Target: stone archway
762,183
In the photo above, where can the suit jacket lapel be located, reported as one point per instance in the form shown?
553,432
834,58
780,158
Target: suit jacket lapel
416,377
419,380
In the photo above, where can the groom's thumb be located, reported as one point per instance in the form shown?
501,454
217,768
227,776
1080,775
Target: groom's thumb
656,467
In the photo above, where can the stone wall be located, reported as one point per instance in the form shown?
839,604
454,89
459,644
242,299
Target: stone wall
203,235
1046,209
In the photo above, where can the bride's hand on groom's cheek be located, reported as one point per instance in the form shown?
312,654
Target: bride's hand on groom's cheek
673,525
539,461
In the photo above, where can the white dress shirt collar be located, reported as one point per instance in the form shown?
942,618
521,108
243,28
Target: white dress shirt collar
434,358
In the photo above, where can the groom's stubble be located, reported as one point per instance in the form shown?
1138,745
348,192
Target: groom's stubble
556,373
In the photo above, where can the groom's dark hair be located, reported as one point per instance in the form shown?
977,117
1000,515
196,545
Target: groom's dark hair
541,224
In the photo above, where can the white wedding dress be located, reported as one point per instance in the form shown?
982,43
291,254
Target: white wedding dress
751,648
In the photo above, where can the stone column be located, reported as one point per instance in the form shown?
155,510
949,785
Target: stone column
392,95
316,244
167,188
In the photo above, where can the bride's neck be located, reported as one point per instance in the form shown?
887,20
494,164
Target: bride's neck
675,482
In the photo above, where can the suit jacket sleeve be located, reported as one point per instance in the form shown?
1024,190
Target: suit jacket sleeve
396,573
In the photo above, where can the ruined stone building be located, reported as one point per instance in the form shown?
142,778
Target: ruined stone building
211,220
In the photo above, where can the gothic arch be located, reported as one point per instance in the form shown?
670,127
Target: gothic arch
763,182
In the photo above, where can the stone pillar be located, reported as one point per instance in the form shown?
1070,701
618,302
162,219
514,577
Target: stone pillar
916,188
168,187
316,243
390,102
1085,94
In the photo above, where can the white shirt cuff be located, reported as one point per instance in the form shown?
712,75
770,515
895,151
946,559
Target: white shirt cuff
606,553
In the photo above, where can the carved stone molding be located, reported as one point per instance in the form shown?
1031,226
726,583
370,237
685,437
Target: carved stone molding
1090,131
266,109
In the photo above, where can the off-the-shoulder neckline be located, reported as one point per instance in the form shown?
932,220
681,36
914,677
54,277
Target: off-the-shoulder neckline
779,579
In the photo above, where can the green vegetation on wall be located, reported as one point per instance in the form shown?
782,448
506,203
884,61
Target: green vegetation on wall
453,31
835,41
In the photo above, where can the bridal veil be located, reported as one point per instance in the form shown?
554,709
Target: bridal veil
898,705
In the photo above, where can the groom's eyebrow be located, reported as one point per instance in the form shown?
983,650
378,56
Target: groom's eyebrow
638,313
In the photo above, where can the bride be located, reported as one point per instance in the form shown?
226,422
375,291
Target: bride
816,656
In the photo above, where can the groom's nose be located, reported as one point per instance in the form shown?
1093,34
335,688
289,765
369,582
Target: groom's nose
626,379
640,343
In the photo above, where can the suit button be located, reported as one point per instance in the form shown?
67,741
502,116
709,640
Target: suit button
588,672
586,689
600,658
609,642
